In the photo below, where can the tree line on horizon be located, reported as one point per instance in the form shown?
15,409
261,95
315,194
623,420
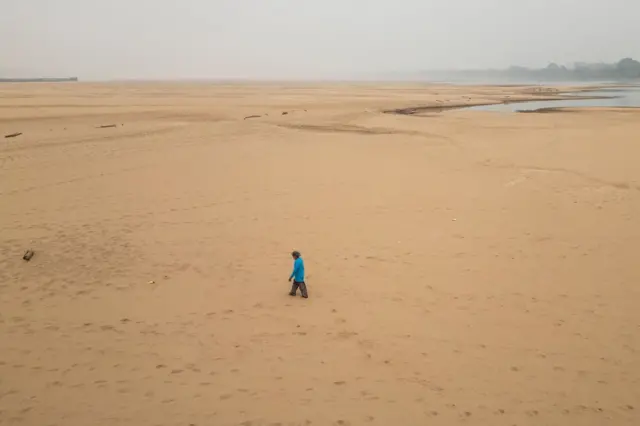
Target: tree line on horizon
624,69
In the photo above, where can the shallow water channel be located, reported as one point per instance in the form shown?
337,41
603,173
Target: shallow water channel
603,98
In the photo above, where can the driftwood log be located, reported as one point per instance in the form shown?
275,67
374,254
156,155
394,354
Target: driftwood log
106,126
12,135
28,255
252,116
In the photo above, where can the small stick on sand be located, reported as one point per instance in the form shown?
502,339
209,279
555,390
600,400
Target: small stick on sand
12,135
106,126
252,116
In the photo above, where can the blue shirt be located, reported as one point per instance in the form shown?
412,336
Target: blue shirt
298,270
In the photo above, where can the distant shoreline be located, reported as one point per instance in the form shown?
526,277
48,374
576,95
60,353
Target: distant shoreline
562,94
38,80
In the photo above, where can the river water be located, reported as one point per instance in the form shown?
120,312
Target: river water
604,98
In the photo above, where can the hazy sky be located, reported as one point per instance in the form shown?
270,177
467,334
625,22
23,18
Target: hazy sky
107,39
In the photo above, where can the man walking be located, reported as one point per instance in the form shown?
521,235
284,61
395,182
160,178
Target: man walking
297,276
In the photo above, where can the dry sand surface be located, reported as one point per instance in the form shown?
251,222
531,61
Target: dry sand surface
463,267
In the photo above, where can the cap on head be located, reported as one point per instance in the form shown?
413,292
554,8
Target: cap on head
295,254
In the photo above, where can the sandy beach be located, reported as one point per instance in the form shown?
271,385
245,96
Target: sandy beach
463,267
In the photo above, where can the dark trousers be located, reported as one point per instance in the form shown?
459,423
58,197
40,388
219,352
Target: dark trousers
303,289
